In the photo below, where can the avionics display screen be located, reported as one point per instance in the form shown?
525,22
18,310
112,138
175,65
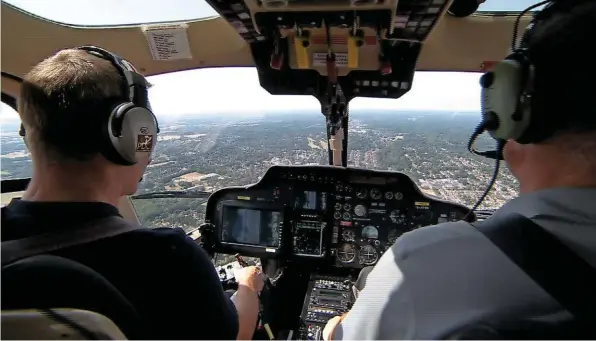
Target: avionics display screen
307,200
331,293
310,200
251,226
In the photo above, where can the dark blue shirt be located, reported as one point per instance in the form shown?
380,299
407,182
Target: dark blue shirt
165,275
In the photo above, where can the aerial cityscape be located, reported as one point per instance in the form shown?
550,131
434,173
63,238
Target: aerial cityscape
210,152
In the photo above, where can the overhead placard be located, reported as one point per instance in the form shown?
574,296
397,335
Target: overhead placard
168,42
320,59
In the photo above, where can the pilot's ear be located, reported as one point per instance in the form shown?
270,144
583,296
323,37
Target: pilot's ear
23,135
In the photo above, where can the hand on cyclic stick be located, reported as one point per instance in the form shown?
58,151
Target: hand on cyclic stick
250,277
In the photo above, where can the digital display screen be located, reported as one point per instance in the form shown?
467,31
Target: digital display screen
331,293
251,226
307,200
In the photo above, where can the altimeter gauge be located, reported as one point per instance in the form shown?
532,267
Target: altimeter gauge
346,253
361,193
375,194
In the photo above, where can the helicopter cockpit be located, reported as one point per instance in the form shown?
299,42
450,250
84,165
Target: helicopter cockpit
315,227
320,225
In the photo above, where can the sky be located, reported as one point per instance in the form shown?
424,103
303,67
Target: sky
237,90
125,12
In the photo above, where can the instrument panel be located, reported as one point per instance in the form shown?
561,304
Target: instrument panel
347,217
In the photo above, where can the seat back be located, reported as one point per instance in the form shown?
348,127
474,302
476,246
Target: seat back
58,324
558,270
43,296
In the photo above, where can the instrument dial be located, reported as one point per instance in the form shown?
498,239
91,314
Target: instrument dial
389,195
370,232
347,216
368,255
399,195
360,210
337,215
397,217
375,194
348,235
347,207
361,193
346,253
337,206
393,234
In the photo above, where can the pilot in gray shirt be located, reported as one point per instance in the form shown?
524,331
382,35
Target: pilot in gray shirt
437,279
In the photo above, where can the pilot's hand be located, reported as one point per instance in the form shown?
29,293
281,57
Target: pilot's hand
330,327
250,277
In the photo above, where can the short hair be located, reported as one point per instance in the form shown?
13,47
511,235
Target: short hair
561,48
64,101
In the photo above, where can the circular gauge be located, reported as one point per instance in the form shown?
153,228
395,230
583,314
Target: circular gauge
360,210
348,235
399,195
339,187
370,232
375,194
337,215
361,193
337,206
347,207
392,237
346,253
389,195
347,216
368,255
348,188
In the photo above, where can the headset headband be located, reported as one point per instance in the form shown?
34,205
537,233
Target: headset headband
136,84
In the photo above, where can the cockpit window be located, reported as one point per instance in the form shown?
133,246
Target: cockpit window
136,12
115,12
219,128
507,5
14,159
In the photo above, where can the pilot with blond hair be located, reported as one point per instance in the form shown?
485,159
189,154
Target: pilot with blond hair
86,154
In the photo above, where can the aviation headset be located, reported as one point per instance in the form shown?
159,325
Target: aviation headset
131,127
506,93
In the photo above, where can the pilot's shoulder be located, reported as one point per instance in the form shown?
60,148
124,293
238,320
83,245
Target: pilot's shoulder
444,236
170,240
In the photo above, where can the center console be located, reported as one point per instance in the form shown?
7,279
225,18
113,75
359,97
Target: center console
326,297
321,225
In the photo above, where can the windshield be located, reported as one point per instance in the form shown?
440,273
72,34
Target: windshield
220,128
508,5
115,12
135,12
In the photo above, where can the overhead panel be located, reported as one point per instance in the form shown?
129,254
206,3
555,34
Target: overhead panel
368,47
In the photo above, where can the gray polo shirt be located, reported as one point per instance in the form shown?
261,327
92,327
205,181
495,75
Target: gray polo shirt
439,278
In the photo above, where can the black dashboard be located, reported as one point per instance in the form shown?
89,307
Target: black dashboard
343,217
